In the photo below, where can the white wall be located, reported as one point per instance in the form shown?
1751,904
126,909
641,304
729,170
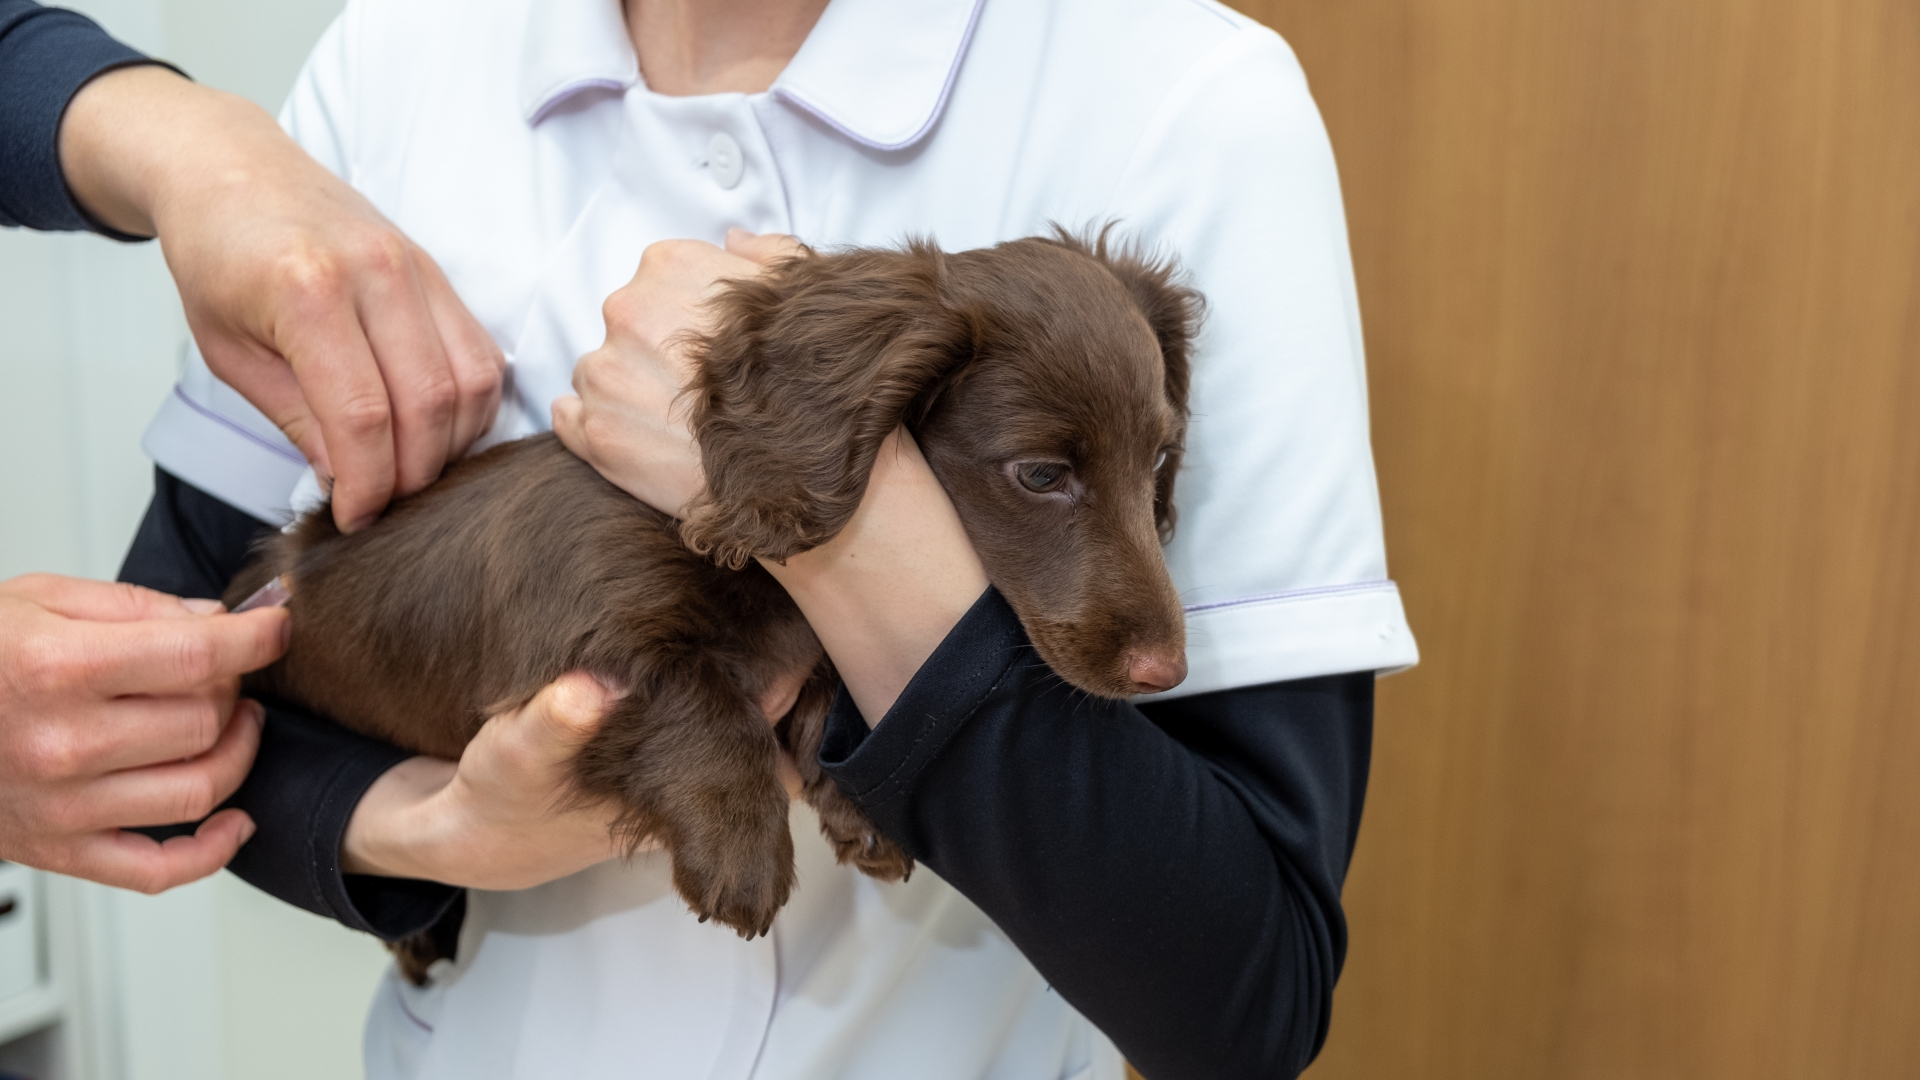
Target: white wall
213,981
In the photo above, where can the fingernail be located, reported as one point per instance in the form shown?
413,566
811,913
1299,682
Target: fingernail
201,606
255,712
286,633
247,829
738,232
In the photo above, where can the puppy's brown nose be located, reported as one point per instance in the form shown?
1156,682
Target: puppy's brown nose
1154,672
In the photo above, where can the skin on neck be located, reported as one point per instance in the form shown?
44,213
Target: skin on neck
692,47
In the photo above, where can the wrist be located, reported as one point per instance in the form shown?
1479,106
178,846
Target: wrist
108,151
394,830
137,139
885,592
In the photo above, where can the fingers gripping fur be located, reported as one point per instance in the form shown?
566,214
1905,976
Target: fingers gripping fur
814,365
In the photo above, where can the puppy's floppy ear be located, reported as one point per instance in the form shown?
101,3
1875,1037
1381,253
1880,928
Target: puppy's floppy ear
1174,311
811,366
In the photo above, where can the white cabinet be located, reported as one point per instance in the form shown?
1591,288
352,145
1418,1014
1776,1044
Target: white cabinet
23,967
36,1027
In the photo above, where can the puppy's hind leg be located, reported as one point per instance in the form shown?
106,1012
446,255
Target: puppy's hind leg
855,838
692,762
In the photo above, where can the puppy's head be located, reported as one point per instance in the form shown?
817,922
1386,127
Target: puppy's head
1046,381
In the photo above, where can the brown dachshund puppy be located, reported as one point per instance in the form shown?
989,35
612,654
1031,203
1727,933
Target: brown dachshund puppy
1046,382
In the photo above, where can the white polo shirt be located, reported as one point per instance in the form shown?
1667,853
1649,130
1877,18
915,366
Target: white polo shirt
515,141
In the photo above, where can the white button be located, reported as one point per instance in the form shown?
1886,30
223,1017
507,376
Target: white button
724,160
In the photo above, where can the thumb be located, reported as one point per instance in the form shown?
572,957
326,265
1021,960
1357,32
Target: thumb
764,247
565,412
567,711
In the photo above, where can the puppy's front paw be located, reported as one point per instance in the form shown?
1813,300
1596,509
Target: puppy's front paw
875,856
856,841
742,882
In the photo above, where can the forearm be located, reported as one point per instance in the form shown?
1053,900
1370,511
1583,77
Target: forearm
375,840
888,589
1173,873
1184,891
121,144
307,781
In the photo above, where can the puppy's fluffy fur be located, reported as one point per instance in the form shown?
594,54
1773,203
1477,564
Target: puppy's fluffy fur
1046,382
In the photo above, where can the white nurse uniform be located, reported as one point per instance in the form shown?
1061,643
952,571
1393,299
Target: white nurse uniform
517,143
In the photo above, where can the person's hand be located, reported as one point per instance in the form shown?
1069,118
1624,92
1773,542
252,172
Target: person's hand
301,295
118,710
882,594
507,815
504,816
627,417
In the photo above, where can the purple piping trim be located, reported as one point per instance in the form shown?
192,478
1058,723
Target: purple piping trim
290,455
1296,594
408,1013
558,97
953,73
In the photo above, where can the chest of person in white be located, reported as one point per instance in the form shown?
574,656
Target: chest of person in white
518,144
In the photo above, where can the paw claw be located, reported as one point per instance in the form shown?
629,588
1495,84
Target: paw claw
742,884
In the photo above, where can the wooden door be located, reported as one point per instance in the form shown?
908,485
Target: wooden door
1641,283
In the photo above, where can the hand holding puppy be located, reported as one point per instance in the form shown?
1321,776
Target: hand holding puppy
505,816
881,595
502,817
627,416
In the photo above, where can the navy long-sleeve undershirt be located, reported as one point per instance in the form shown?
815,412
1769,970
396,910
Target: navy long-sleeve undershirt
46,56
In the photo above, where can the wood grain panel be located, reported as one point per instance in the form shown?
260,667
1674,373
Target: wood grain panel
1641,281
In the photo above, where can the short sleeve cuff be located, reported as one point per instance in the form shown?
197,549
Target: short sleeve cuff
1296,634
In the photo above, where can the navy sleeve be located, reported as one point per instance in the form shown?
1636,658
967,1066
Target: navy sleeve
1173,870
310,773
46,56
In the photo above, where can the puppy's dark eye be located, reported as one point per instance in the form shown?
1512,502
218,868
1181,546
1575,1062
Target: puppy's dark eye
1042,476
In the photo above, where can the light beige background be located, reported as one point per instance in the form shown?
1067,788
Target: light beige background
1641,281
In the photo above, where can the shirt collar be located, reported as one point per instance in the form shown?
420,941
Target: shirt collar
877,71
571,46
